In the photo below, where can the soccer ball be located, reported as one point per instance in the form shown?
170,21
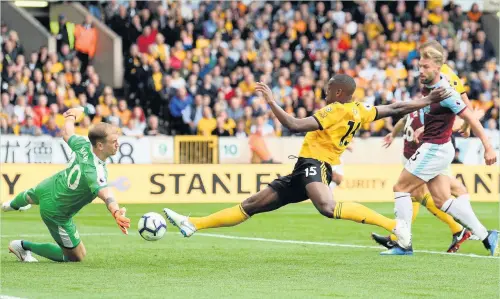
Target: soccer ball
152,226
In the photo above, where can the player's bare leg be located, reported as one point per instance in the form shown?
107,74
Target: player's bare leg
76,254
461,209
265,200
322,198
21,202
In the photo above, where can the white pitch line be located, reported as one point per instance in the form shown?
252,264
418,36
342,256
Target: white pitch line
295,242
9,297
338,245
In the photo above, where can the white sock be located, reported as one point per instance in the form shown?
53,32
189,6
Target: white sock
403,208
461,210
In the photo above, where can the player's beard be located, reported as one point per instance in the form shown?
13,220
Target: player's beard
427,79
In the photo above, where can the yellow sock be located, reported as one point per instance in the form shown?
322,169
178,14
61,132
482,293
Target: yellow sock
361,214
227,217
416,208
428,202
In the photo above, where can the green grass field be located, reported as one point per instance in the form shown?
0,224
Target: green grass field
252,263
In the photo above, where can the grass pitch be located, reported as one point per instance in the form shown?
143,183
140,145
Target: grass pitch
290,253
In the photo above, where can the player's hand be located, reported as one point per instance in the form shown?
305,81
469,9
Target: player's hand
478,113
388,139
122,221
490,157
417,134
266,92
464,130
77,113
439,94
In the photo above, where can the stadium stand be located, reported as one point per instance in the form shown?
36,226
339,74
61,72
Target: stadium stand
191,68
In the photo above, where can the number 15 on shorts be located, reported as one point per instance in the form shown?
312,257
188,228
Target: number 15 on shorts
311,171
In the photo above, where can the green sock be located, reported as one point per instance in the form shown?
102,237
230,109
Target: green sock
47,250
19,201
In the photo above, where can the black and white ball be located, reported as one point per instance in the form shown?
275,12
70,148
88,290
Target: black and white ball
152,226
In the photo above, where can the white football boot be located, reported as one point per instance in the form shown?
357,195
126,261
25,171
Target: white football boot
7,208
403,232
22,254
180,221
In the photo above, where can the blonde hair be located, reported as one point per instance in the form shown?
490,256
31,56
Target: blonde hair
432,50
99,132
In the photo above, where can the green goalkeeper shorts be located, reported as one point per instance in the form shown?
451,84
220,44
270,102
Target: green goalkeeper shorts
63,230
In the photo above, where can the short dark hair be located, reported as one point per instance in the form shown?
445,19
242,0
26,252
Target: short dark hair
345,81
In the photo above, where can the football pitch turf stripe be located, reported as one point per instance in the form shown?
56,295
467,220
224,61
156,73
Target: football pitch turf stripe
295,242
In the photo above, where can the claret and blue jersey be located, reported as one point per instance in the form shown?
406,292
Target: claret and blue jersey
439,117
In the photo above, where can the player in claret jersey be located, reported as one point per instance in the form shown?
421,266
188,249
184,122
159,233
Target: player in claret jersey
329,132
429,164
62,195
410,124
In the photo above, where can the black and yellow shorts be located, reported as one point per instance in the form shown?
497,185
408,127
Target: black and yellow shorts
292,188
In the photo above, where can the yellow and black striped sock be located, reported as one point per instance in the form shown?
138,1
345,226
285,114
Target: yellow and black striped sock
361,214
227,217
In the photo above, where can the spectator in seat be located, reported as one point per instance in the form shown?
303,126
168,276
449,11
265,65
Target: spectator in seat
51,128
220,129
85,41
98,117
207,124
146,39
77,85
485,45
192,114
14,127
132,130
4,126
176,106
124,113
20,108
83,127
229,123
235,111
155,85
248,85
119,24
208,88
29,127
240,129
139,117
7,107
153,128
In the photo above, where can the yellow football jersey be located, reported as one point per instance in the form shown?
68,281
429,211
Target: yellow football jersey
338,122
454,80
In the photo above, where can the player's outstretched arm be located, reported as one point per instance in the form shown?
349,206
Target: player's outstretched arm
389,138
402,108
106,194
295,124
71,116
490,156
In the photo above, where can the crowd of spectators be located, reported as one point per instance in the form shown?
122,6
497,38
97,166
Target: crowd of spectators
191,66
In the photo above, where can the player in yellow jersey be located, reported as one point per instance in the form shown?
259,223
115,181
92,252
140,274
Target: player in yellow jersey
329,132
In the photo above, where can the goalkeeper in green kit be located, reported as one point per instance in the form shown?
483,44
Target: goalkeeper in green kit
62,195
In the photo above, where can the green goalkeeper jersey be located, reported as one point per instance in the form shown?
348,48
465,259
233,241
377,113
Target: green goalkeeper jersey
79,183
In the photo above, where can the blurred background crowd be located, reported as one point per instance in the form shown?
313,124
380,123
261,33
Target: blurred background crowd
191,66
